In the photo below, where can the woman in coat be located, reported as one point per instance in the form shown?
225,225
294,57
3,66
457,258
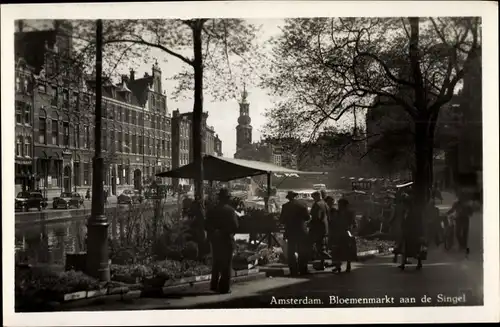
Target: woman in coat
342,242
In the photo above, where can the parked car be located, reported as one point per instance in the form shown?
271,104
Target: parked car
130,196
158,192
67,200
27,200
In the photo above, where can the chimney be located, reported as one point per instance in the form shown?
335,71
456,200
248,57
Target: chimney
124,79
20,25
132,75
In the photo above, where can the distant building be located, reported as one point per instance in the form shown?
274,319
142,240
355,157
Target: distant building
244,128
218,146
182,143
54,113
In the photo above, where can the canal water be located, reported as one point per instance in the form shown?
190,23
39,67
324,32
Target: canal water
49,241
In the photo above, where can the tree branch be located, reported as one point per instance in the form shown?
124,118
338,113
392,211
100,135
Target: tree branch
153,45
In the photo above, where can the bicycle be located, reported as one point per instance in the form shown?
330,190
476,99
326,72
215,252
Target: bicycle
449,232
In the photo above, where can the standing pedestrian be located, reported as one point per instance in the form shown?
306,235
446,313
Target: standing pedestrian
344,240
318,229
221,225
463,211
294,216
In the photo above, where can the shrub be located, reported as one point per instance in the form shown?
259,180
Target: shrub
46,282
190,251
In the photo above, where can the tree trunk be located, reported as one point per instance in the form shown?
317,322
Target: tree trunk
198,109
424,142
199,207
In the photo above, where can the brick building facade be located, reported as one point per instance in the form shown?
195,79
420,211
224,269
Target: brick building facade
54,106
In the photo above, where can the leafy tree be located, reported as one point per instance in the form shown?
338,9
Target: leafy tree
325,67
213,44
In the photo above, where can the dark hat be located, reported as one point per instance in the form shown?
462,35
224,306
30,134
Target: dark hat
224,193
291,195
329,198
316,194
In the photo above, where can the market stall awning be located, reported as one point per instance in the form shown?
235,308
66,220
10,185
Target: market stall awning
226,169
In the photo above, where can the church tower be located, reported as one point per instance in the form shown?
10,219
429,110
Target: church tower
244,129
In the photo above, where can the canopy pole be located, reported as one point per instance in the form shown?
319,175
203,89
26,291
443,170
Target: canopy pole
268,192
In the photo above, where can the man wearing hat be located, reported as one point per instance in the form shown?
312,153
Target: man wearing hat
294,215
221,225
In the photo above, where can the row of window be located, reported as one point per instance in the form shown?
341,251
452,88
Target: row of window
127,143
129,116
23,146
23,113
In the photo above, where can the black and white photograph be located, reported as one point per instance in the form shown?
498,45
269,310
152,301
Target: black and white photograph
288,155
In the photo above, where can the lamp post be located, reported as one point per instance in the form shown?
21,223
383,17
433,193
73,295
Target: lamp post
97,241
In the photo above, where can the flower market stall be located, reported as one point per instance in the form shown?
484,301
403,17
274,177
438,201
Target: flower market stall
254,221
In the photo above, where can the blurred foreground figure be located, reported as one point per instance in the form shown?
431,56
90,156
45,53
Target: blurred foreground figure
342,240
294,216
463,210
318,228
221,225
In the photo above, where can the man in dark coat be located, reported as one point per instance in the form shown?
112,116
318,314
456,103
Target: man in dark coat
318,228
221,225
294,216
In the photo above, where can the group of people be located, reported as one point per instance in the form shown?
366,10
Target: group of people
310,234
413,235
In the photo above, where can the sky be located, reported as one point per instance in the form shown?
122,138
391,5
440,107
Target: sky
222,116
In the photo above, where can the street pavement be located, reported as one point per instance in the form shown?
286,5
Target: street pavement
446,275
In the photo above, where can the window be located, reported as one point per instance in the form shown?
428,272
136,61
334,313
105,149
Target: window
168,148
141,119
152,121
27,114
127,175
19,112
66,133
42,130
19,146
127,116
141,145
86,136
18,84
55,132
120,114
163,147
133,118
42,88
86,173
127,143
27,146
26,86
146,145
74,100
54,96
76,138
120,141
65,99
76,174
134,144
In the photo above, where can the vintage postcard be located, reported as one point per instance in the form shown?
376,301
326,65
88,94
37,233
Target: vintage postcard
329,162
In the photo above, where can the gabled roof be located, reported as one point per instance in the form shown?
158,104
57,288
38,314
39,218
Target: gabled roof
226,169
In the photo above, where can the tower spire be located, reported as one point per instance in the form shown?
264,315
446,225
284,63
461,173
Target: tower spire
244,94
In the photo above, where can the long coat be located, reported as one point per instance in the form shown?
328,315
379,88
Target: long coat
294,215
319,219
